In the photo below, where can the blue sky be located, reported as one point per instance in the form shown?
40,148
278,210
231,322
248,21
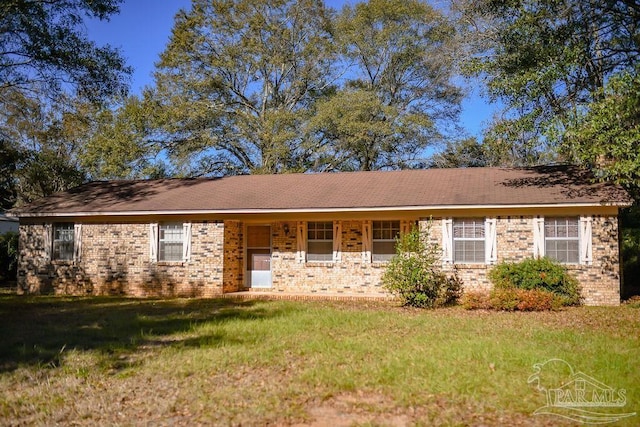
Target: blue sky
142,29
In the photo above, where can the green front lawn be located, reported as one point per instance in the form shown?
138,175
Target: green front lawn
129,361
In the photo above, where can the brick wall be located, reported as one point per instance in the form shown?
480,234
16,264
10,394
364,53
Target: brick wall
115,260
233,256
350,276
600,281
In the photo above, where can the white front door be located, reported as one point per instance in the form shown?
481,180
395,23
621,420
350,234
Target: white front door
258,261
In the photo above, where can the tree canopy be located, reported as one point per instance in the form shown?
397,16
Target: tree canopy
44,50
398,96
548,61
275,86
48,69
237,81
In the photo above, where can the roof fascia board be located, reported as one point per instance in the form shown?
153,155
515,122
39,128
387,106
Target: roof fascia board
316,210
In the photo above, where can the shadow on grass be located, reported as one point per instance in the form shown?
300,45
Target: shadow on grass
37,330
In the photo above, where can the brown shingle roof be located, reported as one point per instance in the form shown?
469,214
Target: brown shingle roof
549,185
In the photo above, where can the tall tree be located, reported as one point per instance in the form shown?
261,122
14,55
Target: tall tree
548,61
400,62
236,83
607,136
43,146
48,67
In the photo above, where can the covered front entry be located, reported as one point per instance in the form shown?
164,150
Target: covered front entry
258,259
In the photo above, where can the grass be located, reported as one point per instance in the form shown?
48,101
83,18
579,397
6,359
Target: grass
120,361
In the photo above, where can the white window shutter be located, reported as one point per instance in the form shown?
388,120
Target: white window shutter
77,242
538,237
153,242
586,256
186,242
367,242
337,241
491,241
48,239
301,241
447,240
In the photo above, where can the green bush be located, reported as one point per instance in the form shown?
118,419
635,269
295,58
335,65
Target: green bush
414,275
537,274
8,257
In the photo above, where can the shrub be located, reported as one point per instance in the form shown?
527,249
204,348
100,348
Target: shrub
535,300
505,299
475,300
511,299
537,274
8,256
413,274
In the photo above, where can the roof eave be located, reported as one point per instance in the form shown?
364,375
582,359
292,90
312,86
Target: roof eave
315,210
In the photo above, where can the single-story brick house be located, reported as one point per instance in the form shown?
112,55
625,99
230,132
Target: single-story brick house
326,233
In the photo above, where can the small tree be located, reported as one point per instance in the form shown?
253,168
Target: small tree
415,276
8,257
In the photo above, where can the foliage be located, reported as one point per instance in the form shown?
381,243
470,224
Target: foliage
8,256
120,144
464,153
9,158
547,61
48,68
512,299
630,253
41,143
277,86
606,137
475,300
537,274
44,49
398,96
414,275
235,85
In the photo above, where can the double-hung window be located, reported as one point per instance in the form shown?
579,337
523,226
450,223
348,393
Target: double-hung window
320,241
469,240
170,241
562,239
385,234
63,241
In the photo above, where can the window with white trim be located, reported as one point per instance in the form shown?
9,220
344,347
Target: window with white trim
385,234
562,239
320,241
171,241
469,240
63,241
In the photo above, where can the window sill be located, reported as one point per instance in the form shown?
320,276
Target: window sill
470,265
319,264
63,262
170,263
379,263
